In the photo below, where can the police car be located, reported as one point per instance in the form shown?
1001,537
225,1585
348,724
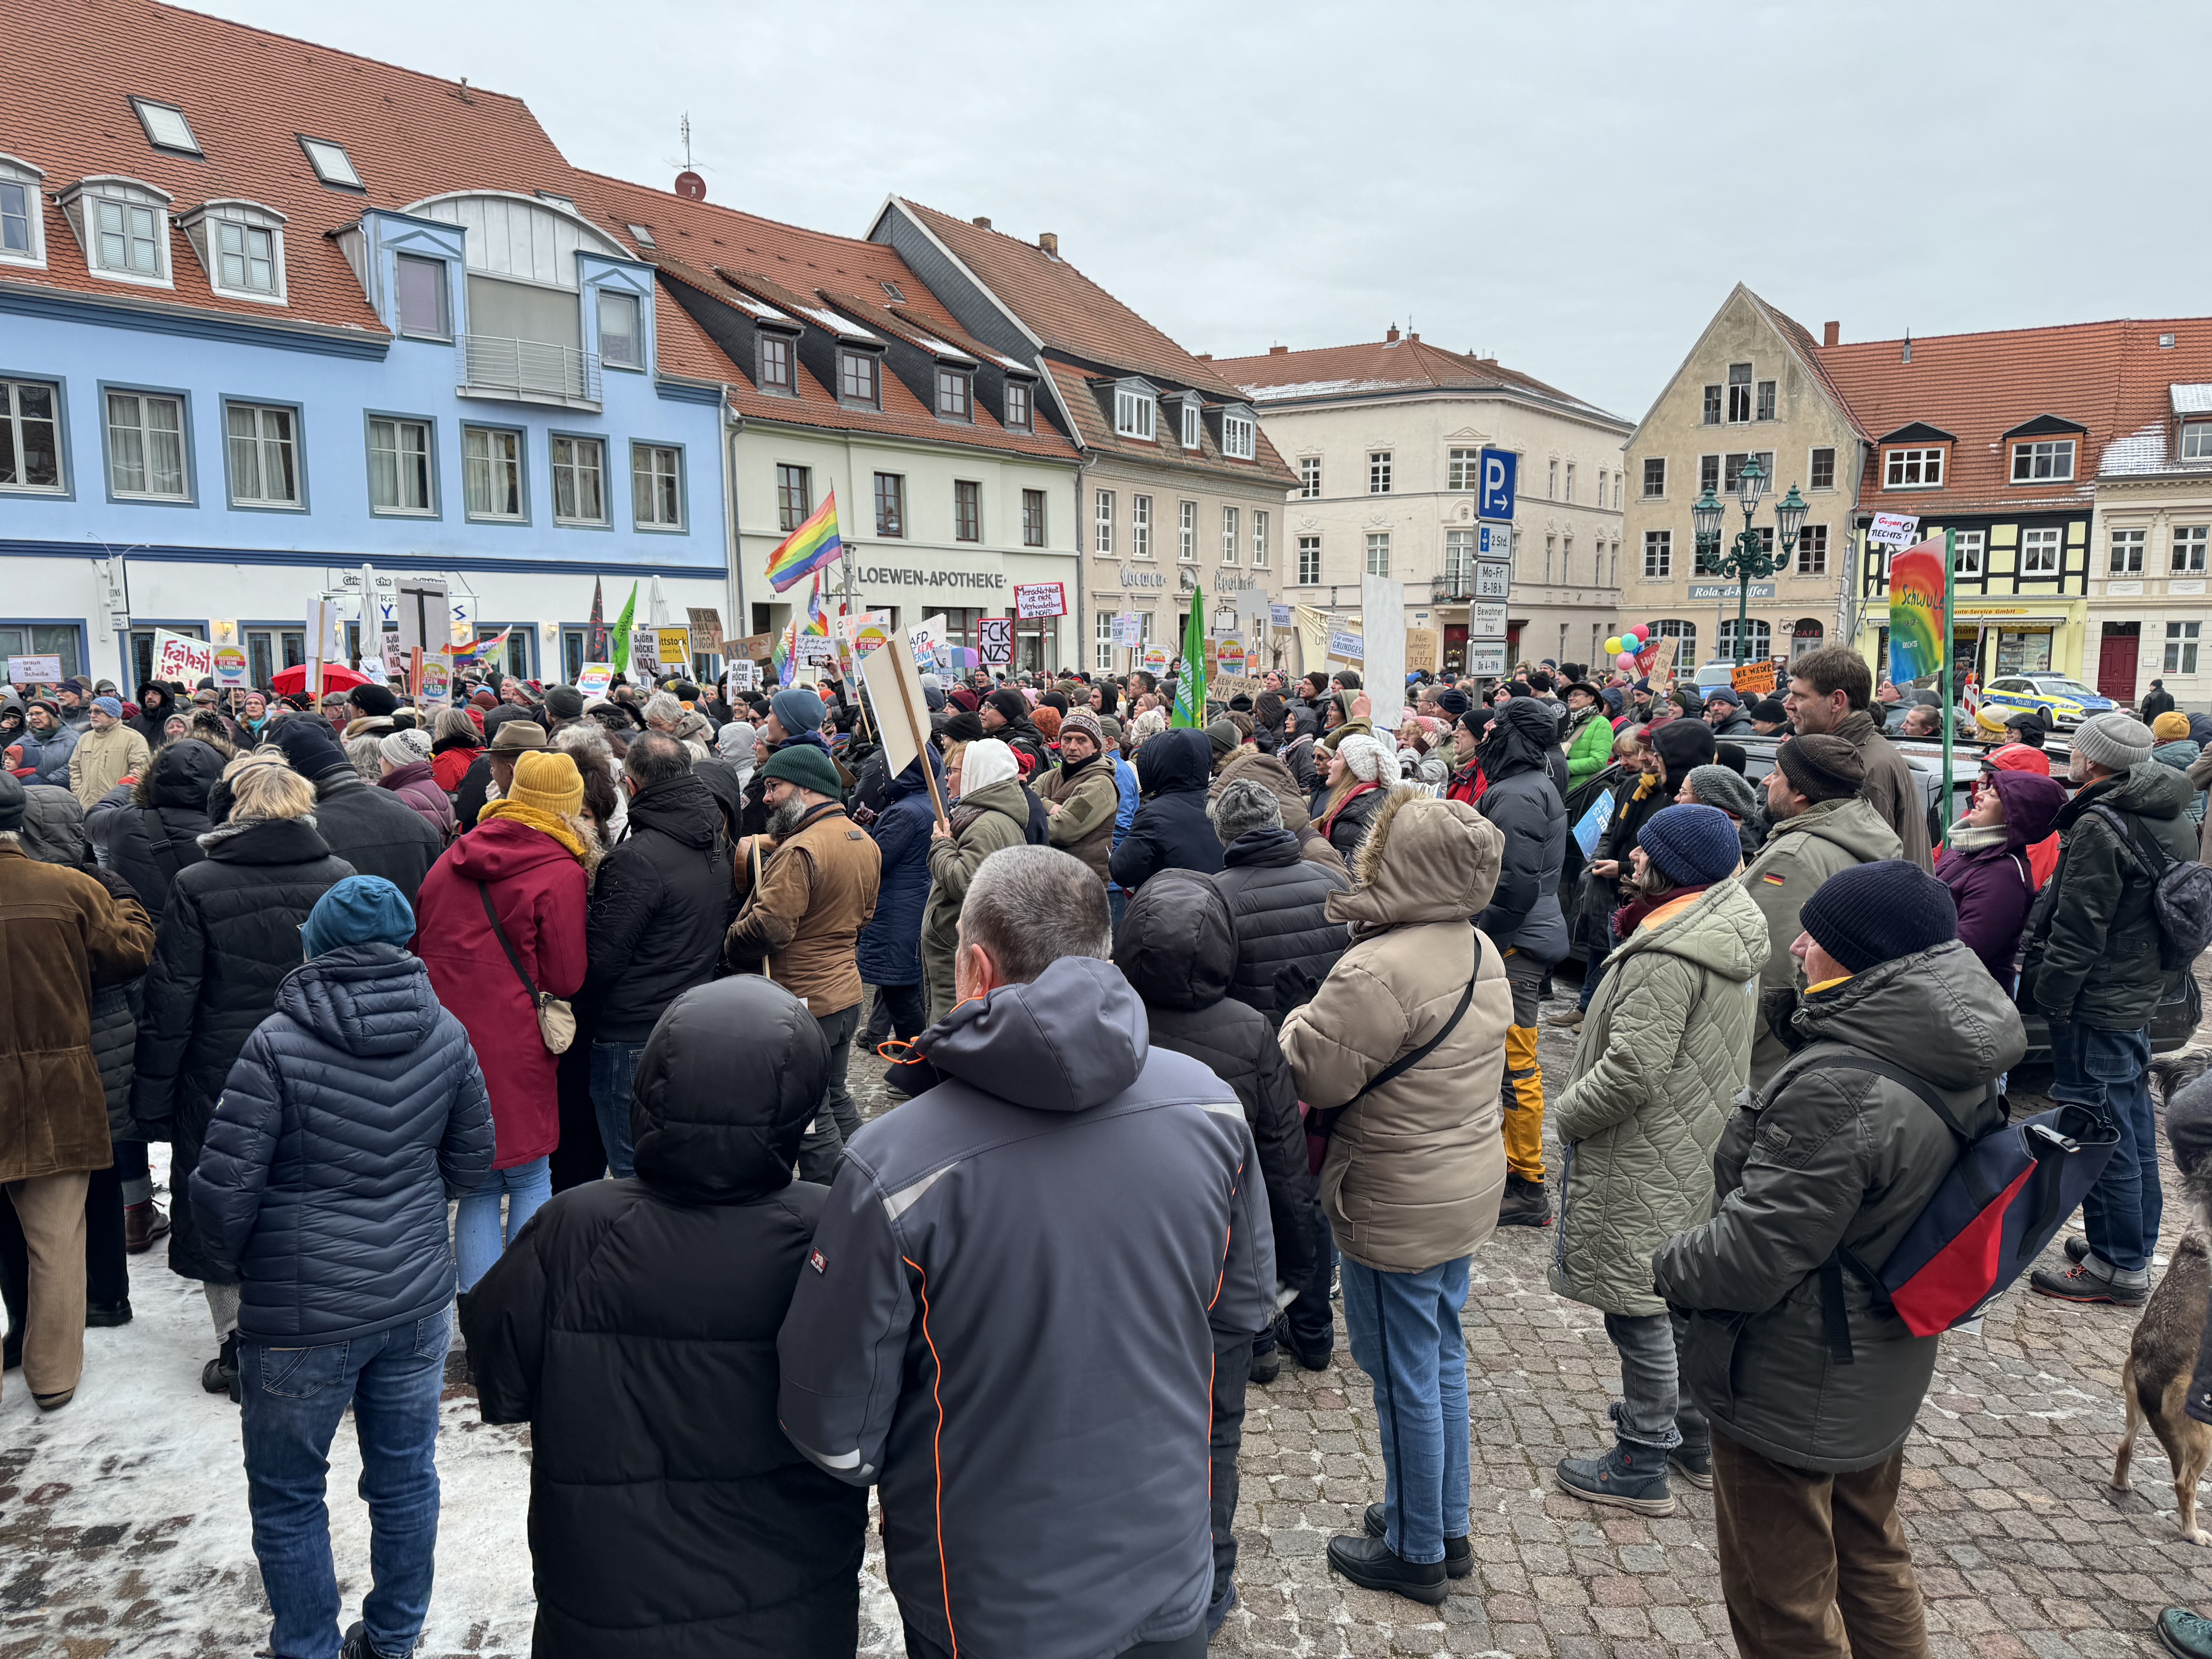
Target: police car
2059,703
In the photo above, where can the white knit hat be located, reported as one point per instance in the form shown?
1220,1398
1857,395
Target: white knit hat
405,748
985,762
1365,757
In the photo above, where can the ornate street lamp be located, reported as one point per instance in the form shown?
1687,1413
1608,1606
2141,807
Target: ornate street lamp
1749,561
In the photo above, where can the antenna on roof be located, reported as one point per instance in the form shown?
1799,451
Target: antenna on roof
1907,357
689,184
463,94
687,140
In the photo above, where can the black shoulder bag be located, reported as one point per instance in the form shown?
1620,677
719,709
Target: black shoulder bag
1320,1125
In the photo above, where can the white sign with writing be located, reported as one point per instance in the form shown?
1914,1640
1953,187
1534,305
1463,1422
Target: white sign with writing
1342,642
1486,660
34,671
1894,529
180,659
1485,621
1279,615
1040,599
1493,581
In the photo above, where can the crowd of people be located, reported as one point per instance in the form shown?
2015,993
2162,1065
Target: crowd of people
552,1003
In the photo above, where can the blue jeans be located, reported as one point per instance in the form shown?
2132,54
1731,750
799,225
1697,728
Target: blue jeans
295,1399
614,1070
1405,1334
2110,1072
477,1238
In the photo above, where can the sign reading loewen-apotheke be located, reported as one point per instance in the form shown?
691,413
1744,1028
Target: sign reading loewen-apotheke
1040,599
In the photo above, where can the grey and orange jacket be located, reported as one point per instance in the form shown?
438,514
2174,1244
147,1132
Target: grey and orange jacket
1009,1318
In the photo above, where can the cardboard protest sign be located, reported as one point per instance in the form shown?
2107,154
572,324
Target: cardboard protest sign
894,690
1040,599
181,658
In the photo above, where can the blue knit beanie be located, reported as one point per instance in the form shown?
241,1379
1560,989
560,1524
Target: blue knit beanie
1875,913
1691,845
796,710
359,910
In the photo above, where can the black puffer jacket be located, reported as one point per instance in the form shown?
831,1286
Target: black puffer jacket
352,1112
1524,912
1823,1157
633,1325
53,829
1276,903
1171,830
661,904
229,936
155,835
371,829
1178,951
155,704
115,1050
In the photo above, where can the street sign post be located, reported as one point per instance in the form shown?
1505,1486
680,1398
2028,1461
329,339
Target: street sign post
1499,468
1486,621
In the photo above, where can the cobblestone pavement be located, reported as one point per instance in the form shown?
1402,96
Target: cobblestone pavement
123,1527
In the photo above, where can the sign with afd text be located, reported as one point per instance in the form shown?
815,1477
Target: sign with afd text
1495,499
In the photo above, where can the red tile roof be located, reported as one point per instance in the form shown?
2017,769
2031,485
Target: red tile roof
1089,397
245,93
1373,366
2112,377
1801,340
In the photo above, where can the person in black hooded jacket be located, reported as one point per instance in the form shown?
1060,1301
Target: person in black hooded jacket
633,1325
1178,951
1171,830
157,702
371,828
1006,716
1277,901
155,834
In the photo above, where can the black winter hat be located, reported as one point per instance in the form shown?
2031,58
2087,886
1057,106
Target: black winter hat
964,728
373,699
564,703
1683,744
1453,701
1875,913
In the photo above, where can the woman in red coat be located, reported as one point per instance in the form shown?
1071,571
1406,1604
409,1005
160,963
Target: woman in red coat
454,747
527,854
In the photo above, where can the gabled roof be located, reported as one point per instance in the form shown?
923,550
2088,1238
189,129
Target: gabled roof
1385,369
1918,432
1088,396
1794,339
248,94
1064,309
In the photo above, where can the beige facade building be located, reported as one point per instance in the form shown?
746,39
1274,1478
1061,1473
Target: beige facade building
1752,384
1384,439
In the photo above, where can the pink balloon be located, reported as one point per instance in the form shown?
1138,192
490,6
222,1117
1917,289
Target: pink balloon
1628,660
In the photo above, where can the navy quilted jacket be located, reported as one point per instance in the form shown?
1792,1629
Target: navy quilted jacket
350,1114
890,944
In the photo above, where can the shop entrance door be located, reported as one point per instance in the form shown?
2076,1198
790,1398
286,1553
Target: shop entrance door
2118,654
1455,647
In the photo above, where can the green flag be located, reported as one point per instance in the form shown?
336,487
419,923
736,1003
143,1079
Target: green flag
620,632
1190,686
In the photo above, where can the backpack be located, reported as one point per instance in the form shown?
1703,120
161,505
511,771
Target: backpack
2181,893
1994,1214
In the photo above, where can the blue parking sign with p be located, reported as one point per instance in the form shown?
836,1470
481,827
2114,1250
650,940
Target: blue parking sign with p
1496,498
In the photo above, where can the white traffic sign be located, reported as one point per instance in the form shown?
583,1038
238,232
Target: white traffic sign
1485,621
1493,581
1486,660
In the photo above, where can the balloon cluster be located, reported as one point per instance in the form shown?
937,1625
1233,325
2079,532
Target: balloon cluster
1623,647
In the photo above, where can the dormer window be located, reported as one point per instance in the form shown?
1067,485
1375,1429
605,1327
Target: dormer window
621,343
775,351
124,226
331,163
1239,437
166,126
1912,469
952,394
1020,407
2045,460
1136,409
2196,440
22,240
857,378
242,247
1191,427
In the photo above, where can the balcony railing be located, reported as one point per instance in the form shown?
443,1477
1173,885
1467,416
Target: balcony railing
529,371
1456,585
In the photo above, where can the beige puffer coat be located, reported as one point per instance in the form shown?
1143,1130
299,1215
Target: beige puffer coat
1663,1056
1415,1168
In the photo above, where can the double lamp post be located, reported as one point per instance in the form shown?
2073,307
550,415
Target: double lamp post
1749,560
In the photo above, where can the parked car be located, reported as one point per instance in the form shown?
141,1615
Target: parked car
2060,703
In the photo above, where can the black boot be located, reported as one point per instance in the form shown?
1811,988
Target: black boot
1526,1203
220,1374
100,1315
1370,1564
1459,1555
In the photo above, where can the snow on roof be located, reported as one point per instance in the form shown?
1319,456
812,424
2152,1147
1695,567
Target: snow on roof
2141,450
837,324
931,342
1268,394
759,308
2192,398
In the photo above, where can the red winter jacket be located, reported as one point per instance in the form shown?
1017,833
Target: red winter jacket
537,888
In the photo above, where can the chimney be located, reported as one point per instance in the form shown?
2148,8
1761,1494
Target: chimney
1390,337
1414,338
1831,334
980,223
1279,351
1907,357
1206,356
1049,242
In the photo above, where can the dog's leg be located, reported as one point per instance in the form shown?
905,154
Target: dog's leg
2135,1422
2188,1443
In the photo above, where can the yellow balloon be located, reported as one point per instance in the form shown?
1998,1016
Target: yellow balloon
1613,647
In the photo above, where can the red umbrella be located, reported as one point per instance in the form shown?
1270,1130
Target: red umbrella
290,682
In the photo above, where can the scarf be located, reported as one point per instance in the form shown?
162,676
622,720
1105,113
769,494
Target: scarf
1649,908
545,824
1358,788
1068,768
1976,837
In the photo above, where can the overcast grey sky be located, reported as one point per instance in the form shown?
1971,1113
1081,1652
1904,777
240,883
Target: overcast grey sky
1572,187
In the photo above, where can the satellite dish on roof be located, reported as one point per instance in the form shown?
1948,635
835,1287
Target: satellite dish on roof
690,186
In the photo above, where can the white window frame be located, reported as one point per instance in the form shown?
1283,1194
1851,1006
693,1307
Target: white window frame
2125,552
1102,642
1739,391
1907,457
1462,470
658,470
1259,539
2196,435
2038,452
1309,478
1140,527
2181,644
177,139
2185,551
1378,553
2041,540
246,258
637,327
1021,406
1187,533
1240,439
490,465
330,163
19,175
1570,495
1193,428
1378,471
1136,412
396,426
1658,555
576,468
144,436
1231,529
12,417
1551,482
263,445
127,197
1308,570
1972,547
1763,401
1102,522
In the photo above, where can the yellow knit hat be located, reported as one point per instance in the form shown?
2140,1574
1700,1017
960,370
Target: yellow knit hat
546,780
2170,727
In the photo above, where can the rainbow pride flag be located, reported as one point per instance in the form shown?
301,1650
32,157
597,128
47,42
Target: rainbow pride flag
808,548
481,650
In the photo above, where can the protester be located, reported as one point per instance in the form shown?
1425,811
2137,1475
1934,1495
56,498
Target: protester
1360,768
1524,921
371,828
1018,1529
149,837
889,953
1829,689
1285,943
2172,745
802,907
1822,825
2156,702
228,938
65,934
634,1329
1986,866
107,753
499,927
1254,766
1300,729
47,744
155,704
354,1108
1006,715
1170,831
2093,967
404,768
1081,793
1724,712
1725,790
1176,949
1810,1380
1664,759
491,774
1416,1163
660,902
1666,1045
989,813
1587,734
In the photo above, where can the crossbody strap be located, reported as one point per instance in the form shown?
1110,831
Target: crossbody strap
1404,1063
158,842
1857,1059
2150,855
514,958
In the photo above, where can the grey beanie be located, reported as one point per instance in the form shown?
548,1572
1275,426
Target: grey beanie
2117,739
1717,786
1242,806
404,748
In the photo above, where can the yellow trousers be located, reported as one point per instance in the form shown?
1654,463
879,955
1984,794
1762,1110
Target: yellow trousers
1523,1101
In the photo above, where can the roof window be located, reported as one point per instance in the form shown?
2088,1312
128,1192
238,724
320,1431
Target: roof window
890,289
331,163
557,201
643,236
166,126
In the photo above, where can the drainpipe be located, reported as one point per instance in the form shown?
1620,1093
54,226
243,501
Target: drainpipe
740,613
1082,605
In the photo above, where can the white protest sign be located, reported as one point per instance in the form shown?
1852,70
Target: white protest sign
34,671
594,677
1040,599
180,658
924,636
1894,529
902,715
995,637
1342,642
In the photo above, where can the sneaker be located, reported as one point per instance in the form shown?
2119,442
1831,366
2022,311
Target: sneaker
2093,1279
1626,1477
143,1223
1694,1464
220,1374
1370,1564
1266,1367
1526,1204
357,1643
2185,1634
99,1315
1459,1555
1572,1019
1312,1362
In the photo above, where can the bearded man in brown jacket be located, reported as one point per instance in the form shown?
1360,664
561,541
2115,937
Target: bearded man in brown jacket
819,873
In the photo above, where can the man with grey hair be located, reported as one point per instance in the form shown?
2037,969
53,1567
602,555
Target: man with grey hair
662,712
961,1259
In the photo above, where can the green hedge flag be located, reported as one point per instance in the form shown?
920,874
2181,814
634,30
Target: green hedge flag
621,632
1190,684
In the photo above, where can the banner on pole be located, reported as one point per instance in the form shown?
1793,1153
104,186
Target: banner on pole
1917,625
1894,529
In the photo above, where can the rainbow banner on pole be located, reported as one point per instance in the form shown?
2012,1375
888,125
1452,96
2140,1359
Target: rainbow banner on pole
478,652
1919,627
808,548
